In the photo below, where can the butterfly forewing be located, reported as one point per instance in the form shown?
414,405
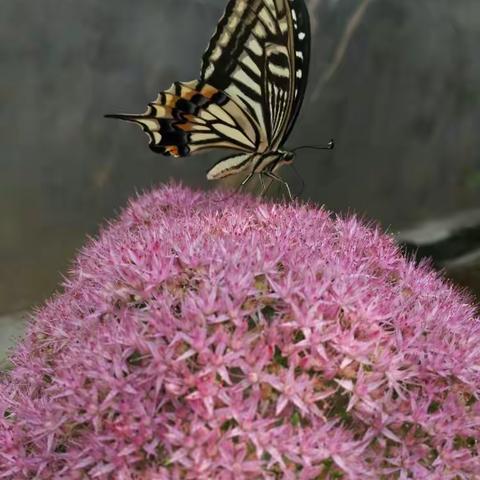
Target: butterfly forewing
301,55
259,56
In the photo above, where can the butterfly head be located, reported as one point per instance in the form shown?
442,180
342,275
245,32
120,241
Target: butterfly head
287,157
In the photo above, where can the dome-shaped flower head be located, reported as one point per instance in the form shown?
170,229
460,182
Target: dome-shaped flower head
208,338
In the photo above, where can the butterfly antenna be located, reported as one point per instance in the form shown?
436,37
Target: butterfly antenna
329,146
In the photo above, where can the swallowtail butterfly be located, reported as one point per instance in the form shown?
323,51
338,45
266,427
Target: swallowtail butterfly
251,87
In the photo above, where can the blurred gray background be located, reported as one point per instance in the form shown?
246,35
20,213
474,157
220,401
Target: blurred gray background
402,103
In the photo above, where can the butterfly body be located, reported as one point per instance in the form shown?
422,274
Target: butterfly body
255,163
249,93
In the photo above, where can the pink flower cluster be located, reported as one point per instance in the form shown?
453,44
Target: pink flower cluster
208,338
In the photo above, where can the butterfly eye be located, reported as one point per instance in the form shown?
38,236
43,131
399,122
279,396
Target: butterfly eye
288,157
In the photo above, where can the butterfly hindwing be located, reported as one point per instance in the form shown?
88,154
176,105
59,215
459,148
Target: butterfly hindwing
192,117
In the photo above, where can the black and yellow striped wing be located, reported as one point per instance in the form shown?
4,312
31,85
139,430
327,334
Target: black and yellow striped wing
192,117
250,90
259,56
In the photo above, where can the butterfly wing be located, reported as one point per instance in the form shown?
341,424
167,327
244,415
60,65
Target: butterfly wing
300,53
192,117
259,56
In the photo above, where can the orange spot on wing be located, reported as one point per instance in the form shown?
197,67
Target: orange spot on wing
170,100
172,150
188,94
208,91
186,127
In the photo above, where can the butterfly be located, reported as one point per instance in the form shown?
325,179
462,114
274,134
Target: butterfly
251,87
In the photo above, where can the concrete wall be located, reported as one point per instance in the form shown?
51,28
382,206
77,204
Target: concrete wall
403,107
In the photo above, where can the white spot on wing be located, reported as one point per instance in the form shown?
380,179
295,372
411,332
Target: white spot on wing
260,30
224,38
240,7
278,71
210,69
215,55
233,22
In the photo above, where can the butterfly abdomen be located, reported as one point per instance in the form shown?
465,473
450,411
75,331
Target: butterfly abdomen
250,163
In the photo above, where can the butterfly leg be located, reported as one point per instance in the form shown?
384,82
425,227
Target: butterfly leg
274,176
239,187
265,188
261,182
246,180
302,181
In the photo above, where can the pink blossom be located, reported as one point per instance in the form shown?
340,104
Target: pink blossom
203,337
